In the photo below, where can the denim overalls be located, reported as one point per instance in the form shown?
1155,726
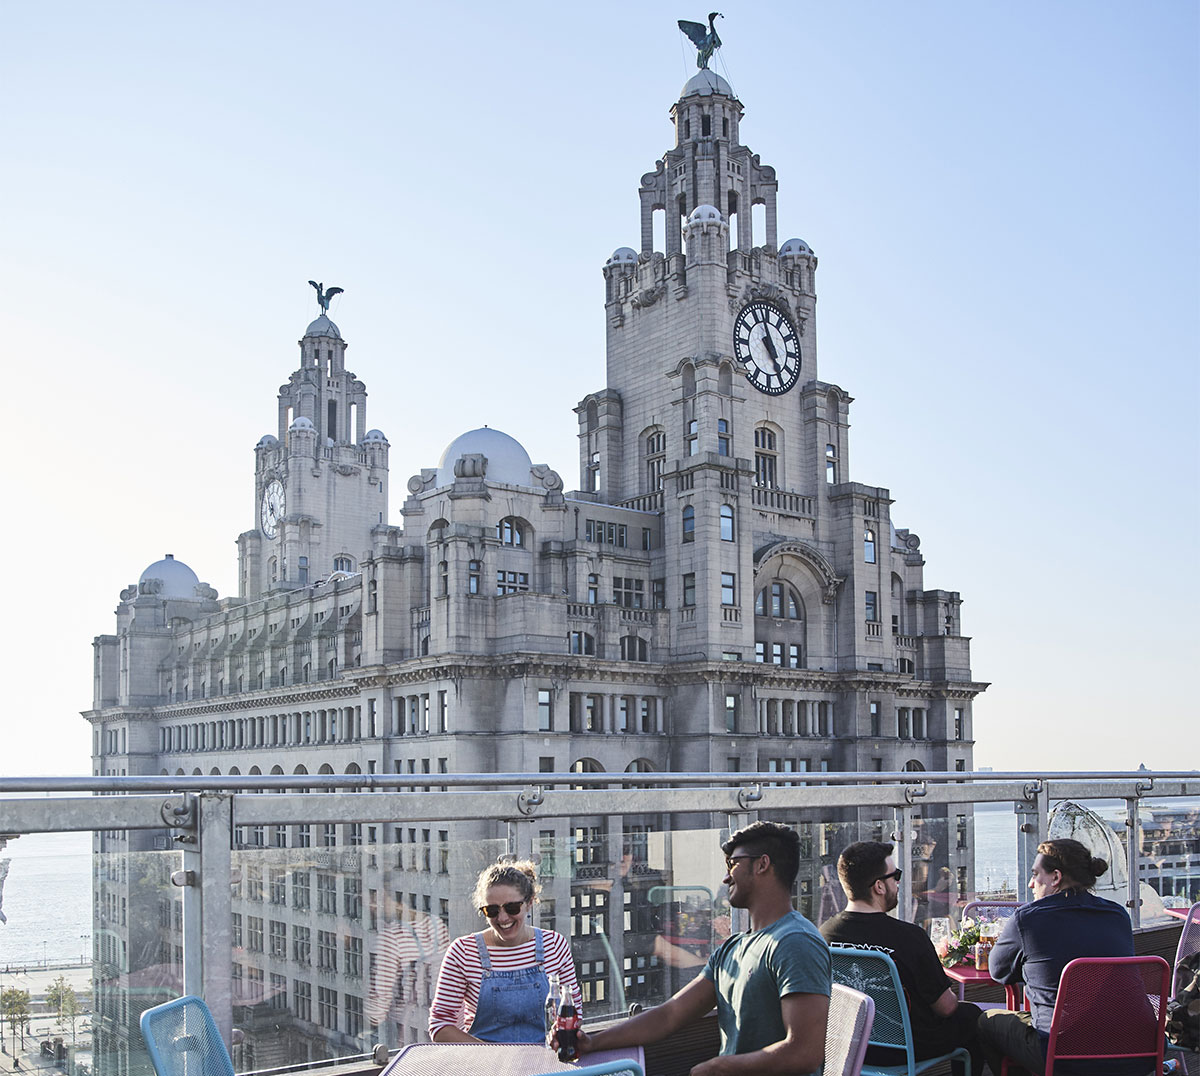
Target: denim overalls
511,1003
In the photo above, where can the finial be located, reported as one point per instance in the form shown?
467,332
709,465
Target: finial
324,296
705,40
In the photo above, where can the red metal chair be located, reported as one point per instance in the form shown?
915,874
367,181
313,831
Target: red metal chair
1110,1007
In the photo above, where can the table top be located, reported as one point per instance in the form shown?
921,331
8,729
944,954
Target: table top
495,1059
968,973
1178,913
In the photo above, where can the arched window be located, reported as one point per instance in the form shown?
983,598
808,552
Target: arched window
869,545
780,634
581,642
585,765
640,765
656,459
689,380
726,523
272,569
510,531
592,416
633,648
725,379
766,458
780,601
689,523
343,563
913,766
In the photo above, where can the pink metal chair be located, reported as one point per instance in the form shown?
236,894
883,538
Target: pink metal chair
990,911
1110,1007
851,1014
1189,937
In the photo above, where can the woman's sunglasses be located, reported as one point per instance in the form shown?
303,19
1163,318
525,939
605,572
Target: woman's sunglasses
513,907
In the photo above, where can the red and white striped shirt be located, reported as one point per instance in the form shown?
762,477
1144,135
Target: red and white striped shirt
457,994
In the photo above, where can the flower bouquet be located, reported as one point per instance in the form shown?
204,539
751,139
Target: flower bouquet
958,946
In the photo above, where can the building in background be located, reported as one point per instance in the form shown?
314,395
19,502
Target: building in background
721,593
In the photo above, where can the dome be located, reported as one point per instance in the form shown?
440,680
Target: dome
178,580
795,246
704,84
704,212
267,440
323,327
301,423
623,256
376,435
508,462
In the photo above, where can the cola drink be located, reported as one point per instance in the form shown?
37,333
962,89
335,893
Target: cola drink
567,1027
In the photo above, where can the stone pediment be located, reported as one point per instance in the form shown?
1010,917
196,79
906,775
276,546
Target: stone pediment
814,560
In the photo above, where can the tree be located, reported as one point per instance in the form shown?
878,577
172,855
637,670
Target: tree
14,1004
62,997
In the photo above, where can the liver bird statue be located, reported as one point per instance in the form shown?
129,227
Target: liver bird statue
706,40
325,295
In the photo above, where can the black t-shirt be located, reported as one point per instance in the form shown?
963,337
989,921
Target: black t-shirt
921,973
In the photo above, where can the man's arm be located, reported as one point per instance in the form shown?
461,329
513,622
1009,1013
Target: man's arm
800,1051
690,1003
946,1005
1006,958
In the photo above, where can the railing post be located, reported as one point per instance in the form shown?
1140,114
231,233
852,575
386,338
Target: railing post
1033,821
216,907
1133,840
739,918
520,838
903,836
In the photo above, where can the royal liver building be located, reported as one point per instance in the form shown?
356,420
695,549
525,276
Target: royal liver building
719,594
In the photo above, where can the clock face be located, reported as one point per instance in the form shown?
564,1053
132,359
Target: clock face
766,344
272,508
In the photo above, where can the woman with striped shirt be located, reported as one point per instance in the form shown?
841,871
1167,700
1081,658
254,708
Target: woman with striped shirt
493,985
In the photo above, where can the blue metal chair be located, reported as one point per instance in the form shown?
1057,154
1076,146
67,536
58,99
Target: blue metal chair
874,974
631,1067
183,1040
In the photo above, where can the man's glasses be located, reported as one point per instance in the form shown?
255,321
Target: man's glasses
513,907
897,874
731,860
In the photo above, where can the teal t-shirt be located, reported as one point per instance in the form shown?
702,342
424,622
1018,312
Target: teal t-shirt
752,971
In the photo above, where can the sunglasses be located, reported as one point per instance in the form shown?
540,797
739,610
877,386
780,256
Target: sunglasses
897,874
513,907
731,860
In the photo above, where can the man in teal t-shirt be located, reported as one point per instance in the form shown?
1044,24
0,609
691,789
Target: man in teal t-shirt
770,985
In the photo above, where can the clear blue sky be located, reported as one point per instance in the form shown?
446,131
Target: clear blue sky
1003,198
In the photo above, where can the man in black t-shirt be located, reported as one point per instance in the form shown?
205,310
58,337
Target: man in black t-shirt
940,1022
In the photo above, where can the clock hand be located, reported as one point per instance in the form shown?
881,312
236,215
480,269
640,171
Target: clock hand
772,351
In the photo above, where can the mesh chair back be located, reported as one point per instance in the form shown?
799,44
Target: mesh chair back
1110,1007
617,1068
874,974
990,911
851,1015
182,1039
1189,939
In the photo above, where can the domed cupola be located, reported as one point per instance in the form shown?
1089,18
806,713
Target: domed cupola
507,460
323,327
170,579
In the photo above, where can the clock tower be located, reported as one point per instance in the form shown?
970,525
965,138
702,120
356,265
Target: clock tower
321,482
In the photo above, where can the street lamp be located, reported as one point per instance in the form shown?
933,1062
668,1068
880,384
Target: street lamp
45,962
84,939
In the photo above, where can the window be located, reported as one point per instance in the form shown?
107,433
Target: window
278,886
647,538
633,648
512,582
705,125
689,523
300,890
593,473
869,546
443,712
327,950
580,642
510,531
278,939
960,765
628,592
545,711
593,589
959,725
302,945
606,532
327,1007
236,929
303,570
831,464
692,438
728,588
343,564
302,993
658,593
726,523
656,459
871,606
731,713
474,569
327,894
876,722
352,897
724,441
765,458
689,589
352,951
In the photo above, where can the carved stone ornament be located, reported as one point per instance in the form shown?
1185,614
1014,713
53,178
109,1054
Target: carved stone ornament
416,484
346,469
472,465
203,590
648,296
129,593
150,586
548,478
828,579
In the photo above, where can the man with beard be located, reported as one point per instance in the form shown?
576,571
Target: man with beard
940,1023
770,985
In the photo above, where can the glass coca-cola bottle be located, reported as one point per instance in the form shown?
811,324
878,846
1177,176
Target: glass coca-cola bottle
567,1026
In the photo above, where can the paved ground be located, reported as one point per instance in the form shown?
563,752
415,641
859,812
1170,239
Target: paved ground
37,981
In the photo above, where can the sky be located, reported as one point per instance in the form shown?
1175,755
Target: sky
1003,198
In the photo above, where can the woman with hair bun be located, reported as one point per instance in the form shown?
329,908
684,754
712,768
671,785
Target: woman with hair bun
493,985
1064,921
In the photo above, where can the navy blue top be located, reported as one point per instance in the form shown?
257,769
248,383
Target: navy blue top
1042,938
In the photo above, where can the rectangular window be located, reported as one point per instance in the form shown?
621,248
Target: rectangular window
512,582
545,712
327,894
628,592
647,538
723,439
728,588
352,897
327,950
794,655
302,992
300,890
593,589
760,652
278,939
871,606
876,722
959,726
352,952
474,569
689,589
731,713
327,1007
692,438
658,593
443,712
302,945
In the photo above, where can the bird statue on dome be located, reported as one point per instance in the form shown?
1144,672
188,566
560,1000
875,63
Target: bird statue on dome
705,40
324,296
